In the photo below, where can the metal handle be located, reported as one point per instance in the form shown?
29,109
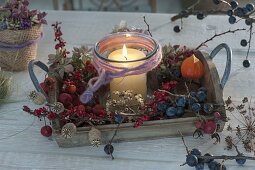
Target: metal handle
228,63
35,81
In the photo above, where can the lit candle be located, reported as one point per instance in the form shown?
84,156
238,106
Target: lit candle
136,83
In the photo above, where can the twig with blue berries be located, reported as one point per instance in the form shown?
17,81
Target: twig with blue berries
194,158
217,35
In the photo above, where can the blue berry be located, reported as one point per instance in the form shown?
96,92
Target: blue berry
208,108
177,29
204,89
212,165
232,20
162,107
191,101
171,111
119,118
200,166
240,161
201,96
196,152
196,107
108,149
3,25
230,12
246,63
180,101
180,112
234,4
208,160
193,94
245,11
184,13
243,42
191,160
240,12
200,16
249,7
248,21
177,73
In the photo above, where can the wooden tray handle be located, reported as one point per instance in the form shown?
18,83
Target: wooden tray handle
35,81
228,64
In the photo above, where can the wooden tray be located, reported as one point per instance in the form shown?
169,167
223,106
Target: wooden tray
157,128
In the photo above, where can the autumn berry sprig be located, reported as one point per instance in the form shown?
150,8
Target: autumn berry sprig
42,113
60,41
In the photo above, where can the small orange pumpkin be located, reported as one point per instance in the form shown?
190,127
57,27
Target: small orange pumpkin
192,68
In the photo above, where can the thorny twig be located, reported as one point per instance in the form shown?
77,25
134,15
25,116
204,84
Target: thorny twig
217,35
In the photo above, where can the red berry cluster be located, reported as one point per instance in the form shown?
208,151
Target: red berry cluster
58,37
40,112
95,114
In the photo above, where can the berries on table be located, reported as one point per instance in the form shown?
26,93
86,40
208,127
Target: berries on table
248,21
212,165
200,16
108,149
234,4
195,152
249,7
232,20
200,166
243,42
240,161
177,29
46,131
191,160
230,12
240,12
246,63
208,160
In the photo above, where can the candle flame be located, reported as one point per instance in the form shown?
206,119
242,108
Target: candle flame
124,51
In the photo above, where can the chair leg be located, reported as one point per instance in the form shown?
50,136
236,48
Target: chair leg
153,4
68,5
55,4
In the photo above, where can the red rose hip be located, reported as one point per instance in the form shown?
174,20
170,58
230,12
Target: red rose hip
46,131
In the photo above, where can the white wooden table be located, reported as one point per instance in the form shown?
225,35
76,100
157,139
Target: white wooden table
29,150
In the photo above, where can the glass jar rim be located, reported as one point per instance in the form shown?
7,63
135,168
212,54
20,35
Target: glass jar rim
154,43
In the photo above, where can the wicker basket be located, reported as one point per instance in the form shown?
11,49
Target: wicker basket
17,59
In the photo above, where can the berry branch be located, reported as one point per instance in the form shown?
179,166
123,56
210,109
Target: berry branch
233,10
217,35
194,158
